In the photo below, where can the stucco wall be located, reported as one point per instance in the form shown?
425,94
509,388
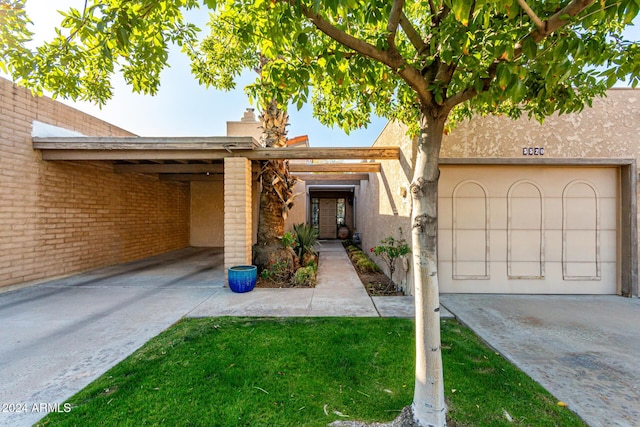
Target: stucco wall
57,218
207,214
608,130
297,214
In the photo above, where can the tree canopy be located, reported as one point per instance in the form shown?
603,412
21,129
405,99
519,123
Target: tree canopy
349,58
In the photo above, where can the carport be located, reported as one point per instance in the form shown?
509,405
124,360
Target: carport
230,161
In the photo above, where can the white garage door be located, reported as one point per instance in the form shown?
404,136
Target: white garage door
528,229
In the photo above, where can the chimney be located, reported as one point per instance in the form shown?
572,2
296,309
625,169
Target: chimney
248,125
249,116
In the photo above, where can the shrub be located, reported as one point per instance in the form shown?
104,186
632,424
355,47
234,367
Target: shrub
365,265
305,276
306,238
277,271
289,240
390,250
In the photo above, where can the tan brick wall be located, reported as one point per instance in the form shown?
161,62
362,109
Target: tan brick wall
58,218
237,212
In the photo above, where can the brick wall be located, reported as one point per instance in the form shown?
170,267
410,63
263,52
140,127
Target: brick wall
57,218
237,211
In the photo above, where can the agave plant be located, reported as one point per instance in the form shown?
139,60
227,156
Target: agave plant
307,237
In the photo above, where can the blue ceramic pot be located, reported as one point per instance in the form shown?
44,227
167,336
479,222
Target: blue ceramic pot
242,278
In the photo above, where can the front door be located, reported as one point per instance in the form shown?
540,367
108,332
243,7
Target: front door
327,219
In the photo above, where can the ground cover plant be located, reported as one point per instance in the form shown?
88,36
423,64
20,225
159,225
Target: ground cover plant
303,372
372,277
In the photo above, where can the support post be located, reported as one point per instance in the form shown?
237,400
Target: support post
237,212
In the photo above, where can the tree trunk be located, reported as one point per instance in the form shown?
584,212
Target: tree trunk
276,196
428,400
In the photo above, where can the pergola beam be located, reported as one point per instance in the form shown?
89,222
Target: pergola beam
223,143
168,168
334,167
219,168
62,151
333,177
190,177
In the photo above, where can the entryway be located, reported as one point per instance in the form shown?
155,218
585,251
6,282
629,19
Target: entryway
331,210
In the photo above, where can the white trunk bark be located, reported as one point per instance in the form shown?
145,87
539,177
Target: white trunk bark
428,400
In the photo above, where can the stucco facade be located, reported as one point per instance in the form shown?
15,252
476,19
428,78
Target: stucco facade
604,136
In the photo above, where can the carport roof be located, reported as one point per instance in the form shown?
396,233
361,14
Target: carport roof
192,148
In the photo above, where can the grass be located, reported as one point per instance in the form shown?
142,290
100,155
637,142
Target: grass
303,372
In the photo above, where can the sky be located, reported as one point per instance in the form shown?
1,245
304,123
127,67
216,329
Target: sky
184,108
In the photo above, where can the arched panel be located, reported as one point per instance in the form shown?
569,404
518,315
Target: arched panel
470,231
580,231
525,231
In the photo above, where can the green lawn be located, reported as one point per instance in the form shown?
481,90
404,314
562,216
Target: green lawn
303,372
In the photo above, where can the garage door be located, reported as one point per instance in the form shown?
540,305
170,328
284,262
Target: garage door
528,229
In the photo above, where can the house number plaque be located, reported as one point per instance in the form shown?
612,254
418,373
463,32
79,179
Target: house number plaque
533,151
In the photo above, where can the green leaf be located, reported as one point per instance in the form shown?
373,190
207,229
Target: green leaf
461,10
529,47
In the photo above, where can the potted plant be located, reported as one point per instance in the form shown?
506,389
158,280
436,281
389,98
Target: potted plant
343,231
242,278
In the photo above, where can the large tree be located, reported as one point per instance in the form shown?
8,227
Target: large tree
426,63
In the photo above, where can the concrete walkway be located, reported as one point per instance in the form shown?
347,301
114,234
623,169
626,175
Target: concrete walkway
585,350
339,292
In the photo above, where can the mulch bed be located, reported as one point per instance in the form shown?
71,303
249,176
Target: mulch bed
269,283
376,284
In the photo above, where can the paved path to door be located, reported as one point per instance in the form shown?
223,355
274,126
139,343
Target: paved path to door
584,349
339,292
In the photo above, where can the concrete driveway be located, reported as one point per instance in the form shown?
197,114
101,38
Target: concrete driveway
584,349
59,336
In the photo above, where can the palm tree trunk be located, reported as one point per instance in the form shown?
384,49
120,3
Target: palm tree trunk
276,197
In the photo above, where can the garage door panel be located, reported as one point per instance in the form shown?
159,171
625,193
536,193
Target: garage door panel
470,245
498,242
470,269
608,246
553,245
525,245
445,213
526,214
581,246
497,213
445,247
470,213
552,221
581,213
525,269
575,270
608,213
551,230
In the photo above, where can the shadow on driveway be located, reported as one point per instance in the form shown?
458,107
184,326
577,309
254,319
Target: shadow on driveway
59,336
584,349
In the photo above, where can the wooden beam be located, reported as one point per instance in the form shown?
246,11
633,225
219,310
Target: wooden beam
55,151
169,168
190,177
343,183
145,143
334,167
333,153
333,177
